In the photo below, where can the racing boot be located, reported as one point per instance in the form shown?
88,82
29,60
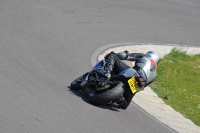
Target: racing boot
122,103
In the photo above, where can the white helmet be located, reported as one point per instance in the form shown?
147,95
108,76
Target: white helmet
153,55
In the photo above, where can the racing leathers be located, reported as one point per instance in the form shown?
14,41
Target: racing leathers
145,68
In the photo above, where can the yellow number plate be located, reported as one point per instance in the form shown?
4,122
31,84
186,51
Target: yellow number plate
132,84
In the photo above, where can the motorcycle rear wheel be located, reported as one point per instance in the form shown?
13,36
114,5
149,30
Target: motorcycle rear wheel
107,96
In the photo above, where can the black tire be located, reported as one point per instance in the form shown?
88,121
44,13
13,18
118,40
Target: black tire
75,85
109,95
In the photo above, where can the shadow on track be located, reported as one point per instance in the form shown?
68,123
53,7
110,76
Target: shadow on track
78,93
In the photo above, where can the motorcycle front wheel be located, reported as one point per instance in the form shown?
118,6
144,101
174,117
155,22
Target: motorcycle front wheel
76,84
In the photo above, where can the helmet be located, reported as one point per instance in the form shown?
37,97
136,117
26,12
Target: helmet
152,55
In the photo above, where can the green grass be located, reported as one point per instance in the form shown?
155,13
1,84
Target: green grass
178,83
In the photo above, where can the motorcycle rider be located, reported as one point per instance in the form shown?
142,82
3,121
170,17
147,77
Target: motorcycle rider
145,66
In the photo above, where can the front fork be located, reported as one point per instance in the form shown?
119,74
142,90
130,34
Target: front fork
84,81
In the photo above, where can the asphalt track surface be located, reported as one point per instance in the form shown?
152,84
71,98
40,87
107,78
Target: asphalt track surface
46,44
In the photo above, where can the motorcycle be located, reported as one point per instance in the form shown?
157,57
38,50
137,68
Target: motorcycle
111,90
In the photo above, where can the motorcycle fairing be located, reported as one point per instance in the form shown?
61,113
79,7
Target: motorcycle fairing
99,65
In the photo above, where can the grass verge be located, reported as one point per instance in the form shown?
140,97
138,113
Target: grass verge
178,83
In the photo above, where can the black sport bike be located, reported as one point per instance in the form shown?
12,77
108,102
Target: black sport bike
110,91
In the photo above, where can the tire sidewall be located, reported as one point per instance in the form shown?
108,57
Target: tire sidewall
76,84
105,97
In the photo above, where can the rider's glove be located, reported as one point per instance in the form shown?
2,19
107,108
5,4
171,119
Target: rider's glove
108,68
107,74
